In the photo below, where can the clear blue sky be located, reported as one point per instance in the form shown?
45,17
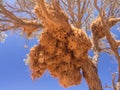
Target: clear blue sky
15,75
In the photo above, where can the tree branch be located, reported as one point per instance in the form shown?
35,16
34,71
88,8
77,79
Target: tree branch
18,21
91,76
42,6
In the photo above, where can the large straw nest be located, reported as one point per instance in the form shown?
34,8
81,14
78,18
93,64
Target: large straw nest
62,51
62,57
37,64
97,28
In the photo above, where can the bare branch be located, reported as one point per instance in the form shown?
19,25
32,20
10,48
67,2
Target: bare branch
8,28
42,6
18,22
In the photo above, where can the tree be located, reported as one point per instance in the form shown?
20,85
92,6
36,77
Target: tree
64,43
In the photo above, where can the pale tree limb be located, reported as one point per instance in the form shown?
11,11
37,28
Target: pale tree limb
52,14
41,4
112,7
111,11
17,8
44,9
79,16
70,8
8,28
82,9
90,74
17,21
82,15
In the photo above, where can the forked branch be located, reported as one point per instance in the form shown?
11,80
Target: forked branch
17,22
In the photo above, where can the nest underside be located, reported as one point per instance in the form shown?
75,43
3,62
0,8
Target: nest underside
62,49
62,54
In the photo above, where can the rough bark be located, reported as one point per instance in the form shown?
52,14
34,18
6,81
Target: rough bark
91,76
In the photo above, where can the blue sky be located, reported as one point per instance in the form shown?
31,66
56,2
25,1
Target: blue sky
15,75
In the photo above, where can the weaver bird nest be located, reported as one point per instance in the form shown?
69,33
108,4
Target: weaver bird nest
62,51
61,54
98,28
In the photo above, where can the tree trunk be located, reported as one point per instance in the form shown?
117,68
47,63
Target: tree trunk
91,76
